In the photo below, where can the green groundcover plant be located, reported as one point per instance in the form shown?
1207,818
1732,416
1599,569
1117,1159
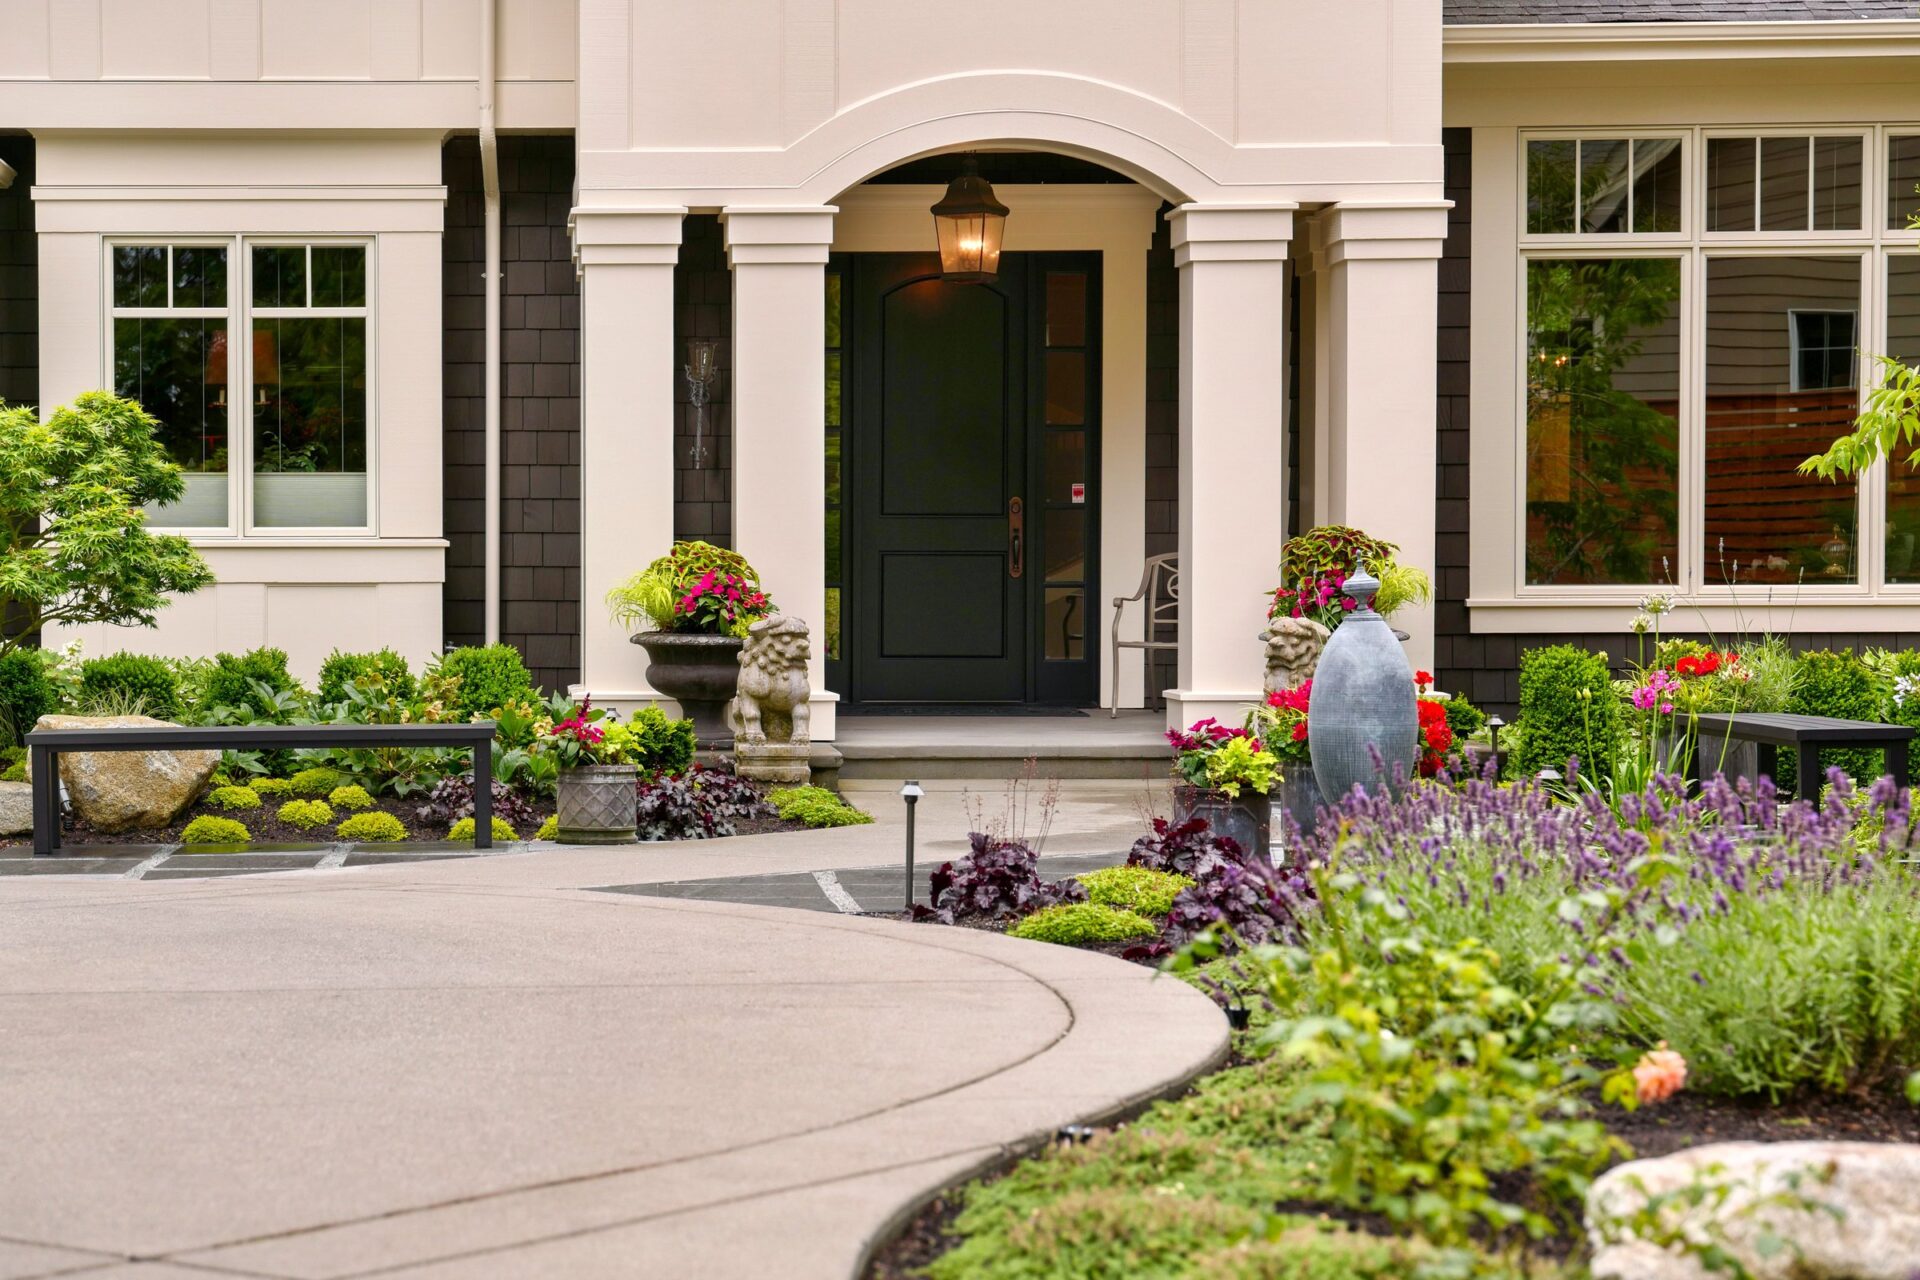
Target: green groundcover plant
234,797
817,807
1138,889
208,829
1075,924
462,831
305,814
372,828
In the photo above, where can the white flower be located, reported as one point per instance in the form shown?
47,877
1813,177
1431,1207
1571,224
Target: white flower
1657,604
1642,623
1904,687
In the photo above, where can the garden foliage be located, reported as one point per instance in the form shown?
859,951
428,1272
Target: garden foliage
271,786
383,668
208,829
350,797
1075,924
1183,848
372,828
233,797
1834,683
817,807
318,780
26,694
462,831
305,814
452,799
256,682
999,880
660,743
489,676
696,587
1140,889
130,683
700,804
1568,706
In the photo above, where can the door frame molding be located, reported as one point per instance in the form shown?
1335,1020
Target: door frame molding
1116,220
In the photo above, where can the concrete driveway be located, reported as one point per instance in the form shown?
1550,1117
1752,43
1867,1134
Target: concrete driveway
491,1068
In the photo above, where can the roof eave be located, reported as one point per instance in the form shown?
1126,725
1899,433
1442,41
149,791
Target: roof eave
1637,41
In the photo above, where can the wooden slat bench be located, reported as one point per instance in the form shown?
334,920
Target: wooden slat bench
45,746
1807,735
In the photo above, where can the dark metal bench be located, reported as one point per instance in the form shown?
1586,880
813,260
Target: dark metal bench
47,745
1807,735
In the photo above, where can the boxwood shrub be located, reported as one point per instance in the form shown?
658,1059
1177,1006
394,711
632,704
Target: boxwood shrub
371,828
1074,924
238,681
1569,708
661,743
123,678
1835,683
207,829
490,676
25,694
340,670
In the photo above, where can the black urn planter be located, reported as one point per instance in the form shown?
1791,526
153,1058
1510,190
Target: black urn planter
699,672
1248,820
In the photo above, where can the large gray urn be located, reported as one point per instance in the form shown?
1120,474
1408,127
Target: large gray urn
1362,702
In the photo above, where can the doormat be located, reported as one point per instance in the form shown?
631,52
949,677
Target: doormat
955,709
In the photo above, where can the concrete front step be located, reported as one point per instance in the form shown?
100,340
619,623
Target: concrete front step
1129,748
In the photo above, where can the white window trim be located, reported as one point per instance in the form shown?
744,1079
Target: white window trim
1873,156
240,314
1688,144
1795,346
1873,243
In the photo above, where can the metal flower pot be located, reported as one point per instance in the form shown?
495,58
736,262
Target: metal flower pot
1247,820
595,804
700,673
1297,795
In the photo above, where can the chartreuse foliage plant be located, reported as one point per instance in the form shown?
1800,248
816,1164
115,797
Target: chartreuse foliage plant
1569,709
462,831
316,781
305,814
271,786
350,797
372,828
208,829
234,797
1074,924
1138,889
817,807
74,543
550,829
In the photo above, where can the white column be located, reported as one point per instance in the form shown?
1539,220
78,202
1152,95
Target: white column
627,367
779,258
1380,448
1233,447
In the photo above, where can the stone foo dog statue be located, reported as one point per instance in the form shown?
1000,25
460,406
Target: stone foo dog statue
769,713
1293,651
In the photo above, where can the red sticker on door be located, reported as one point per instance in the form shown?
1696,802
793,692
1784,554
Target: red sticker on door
1079,493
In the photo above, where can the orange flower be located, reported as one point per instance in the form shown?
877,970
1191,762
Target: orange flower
1659,1074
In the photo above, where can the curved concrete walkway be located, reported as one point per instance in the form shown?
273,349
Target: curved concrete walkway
488,1068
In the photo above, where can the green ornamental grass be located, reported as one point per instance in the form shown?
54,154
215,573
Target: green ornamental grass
1074,924
1139,889
372,828
462,831
207,829
305,814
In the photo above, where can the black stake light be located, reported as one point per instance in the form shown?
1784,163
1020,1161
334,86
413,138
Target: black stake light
911,793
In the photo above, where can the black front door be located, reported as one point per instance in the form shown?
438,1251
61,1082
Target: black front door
953,590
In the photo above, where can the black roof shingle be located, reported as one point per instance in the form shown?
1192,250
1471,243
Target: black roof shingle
1494,12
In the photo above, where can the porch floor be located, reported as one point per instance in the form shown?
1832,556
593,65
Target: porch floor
1131,746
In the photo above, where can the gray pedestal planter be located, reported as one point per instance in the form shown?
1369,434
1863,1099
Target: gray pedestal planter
1297,795
698,672
594,804
1247,820
1362,703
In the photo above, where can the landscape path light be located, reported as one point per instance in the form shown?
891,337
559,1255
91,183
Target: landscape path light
911,793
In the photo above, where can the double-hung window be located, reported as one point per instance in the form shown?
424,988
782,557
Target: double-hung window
1679,365
273,429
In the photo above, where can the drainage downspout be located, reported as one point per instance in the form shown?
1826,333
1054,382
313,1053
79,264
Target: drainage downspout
490,177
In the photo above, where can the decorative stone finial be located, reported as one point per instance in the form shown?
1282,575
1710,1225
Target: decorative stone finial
1362,586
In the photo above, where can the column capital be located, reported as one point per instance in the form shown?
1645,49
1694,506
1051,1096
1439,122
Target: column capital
778,233
607,236
1231,232
1384,229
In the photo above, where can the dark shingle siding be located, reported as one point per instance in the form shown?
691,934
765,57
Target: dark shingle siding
19,280
1515,12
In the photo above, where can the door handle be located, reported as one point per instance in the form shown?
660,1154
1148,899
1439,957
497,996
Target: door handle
1016,537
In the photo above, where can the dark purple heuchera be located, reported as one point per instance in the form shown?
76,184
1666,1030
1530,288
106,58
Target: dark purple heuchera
1252,900
999,880
701,804
452,799
1184,848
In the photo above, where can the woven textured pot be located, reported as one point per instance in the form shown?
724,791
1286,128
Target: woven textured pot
1247,820
594,804
1297,795
698,672
1362,703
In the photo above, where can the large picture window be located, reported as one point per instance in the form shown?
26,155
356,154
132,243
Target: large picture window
301,376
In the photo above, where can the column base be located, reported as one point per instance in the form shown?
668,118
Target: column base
1184,706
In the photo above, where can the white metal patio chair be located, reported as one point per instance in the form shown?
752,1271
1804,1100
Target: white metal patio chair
1160,590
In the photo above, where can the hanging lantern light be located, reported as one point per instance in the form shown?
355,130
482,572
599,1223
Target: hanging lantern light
970,223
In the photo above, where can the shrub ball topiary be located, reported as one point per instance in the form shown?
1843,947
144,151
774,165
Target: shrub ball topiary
462,831
124,681
1141,889
1569,707
271,786
1075,924
317,781
305,814
372,828
231,797
1838,684
248,682
25,694
341,670
489,676
207,829
817,807
661,744
550,829
1464,718
350,797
